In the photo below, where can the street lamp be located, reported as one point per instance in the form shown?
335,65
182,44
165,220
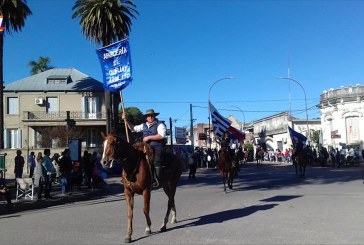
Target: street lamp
288,78
225,78
243,115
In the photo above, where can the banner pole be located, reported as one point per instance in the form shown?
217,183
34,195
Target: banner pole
123,111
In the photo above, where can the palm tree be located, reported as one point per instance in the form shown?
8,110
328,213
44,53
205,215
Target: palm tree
105,22
39,66
14,13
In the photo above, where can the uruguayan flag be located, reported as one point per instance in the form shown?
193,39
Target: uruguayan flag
220,124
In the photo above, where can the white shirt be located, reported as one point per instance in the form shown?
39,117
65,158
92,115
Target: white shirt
161,129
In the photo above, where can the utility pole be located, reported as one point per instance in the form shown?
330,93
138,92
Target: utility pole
170,126
191,129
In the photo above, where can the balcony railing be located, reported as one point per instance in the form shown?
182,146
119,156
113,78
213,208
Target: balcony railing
62,115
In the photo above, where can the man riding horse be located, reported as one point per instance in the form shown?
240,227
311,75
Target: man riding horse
298,149
154,134
226,142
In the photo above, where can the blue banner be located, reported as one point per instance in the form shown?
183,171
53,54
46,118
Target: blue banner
115,61
295,136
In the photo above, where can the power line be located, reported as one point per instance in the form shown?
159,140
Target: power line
215,102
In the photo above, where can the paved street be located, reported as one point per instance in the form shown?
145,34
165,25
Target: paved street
269,205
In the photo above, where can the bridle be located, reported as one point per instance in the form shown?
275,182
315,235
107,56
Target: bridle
114,150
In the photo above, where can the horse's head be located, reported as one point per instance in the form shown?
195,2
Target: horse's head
109,149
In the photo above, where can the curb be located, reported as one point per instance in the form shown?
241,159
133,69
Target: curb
113,188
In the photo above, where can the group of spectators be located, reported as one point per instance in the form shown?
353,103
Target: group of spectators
344,156
47,170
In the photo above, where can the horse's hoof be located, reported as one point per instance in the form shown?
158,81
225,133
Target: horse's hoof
127,240
148,232
163,229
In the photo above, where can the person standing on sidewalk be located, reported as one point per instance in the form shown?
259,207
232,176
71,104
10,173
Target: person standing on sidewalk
19,165
4,190
31,163
39,175
65,168
55,161
51,173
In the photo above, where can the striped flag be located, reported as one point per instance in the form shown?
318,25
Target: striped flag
220,124
236,134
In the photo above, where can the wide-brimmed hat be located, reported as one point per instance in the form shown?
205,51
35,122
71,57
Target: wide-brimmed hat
151,112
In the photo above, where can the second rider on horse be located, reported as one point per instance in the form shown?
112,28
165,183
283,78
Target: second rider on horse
154,134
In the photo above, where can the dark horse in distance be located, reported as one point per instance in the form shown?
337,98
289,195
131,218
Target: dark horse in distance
226,164
137,177
301,160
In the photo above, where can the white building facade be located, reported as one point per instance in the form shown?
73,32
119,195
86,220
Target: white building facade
342,118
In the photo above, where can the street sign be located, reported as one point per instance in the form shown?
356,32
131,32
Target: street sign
335,134
180,134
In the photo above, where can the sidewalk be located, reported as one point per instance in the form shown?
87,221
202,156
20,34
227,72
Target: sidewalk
113,187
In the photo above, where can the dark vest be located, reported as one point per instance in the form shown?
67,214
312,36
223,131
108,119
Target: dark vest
152,130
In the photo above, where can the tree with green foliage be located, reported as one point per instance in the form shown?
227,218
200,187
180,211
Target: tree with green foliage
14,13
136,117
39,66
105,22
315,137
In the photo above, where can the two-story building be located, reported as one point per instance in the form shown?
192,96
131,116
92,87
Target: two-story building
47,109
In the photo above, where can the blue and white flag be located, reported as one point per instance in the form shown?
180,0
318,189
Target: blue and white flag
220,124
115,61
2,24
295,136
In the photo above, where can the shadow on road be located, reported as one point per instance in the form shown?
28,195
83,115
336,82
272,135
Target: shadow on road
280,198
276,176
218,217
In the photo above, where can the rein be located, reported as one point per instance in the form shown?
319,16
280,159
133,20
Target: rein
127,161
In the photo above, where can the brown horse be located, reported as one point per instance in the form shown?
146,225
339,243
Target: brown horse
226,165
300,161
137,177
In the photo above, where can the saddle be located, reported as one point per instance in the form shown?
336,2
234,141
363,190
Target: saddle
147,150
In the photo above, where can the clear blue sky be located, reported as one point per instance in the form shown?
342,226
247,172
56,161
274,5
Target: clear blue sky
181,47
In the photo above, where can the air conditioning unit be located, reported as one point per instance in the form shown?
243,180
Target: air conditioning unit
38,101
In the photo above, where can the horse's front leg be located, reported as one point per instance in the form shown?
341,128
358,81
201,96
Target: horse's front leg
295,166
146,197
129,197
174,214
231,178
225,180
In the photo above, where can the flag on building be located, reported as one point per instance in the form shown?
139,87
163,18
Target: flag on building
236,134
220,124
115,61
2,24
295,136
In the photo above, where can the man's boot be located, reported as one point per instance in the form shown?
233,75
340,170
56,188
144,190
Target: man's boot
157,174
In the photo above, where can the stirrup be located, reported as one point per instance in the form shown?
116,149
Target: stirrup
155,185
